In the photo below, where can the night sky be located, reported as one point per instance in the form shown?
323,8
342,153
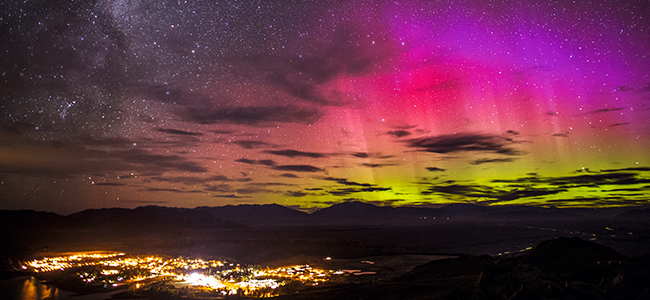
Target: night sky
122,103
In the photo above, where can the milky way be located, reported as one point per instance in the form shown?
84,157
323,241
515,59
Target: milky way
306,104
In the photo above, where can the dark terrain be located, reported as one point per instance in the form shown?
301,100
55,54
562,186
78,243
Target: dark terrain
499,247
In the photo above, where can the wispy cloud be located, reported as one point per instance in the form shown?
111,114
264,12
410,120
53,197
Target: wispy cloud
399,133
345,181
295,153
492,160
465,142
179,191
378,165
629,182
178,132
265,162
197,108
289,175
252,115
191,180
353,190
88,156
604,110
298,168
109,184
484,191
252,144
230,196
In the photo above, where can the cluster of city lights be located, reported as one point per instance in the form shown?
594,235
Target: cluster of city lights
61,263
119,269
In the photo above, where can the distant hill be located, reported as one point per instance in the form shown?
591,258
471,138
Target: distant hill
258,215
352,213
147,217
364,213
522,213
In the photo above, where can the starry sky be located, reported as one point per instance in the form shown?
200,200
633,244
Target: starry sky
124,103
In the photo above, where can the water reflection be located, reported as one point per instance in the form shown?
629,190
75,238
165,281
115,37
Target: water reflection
29,288
33,290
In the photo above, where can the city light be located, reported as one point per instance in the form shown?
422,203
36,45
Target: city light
141,272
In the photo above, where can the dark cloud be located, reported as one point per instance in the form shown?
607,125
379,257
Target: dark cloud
562,134
604,110
512,132
352,190
222,131
298,168
464,142
295,194
399,133
583,170
252,190
369,155
378,165
109,184
624,190
246,161
619,124
354,187
289,175
179,191
345,181
614,177
299,88
197,108
178,132
492,160
301,76
88,156
222,188
252,115
597,180
265,162
639,169
534,186
191,180
435,169
232,196
270,184
163,162
484,191
251,144
295,153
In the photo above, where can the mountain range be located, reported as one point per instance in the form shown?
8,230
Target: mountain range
274,215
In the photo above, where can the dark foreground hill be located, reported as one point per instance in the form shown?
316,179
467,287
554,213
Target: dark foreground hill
564,268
